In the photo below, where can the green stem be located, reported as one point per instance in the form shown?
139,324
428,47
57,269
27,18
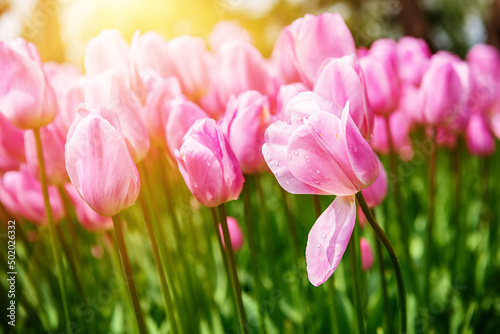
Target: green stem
146,212
317,205
232,270
394,258
353,257
430,221
52,227
128,275
291,225
384,286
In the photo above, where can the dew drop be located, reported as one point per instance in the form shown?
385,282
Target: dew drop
276,163
318,245
323,235
317,171
208,163
287,182
317,182
289,155
195,185
307,157
339,211
296,152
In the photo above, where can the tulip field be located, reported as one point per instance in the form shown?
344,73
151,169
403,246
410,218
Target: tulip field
191,185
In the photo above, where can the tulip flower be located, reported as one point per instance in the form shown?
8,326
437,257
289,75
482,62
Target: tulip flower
310,40
26,97
98,162
244,124
11,146
89,219
376,192
367,257
400,135
250,66
479,139
225,31
69,98
285,94
235,233
413,56
107,89
21,194
484,64
444,90
53,141
208,165
319,150
341,80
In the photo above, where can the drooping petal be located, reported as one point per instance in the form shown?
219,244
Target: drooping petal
328,239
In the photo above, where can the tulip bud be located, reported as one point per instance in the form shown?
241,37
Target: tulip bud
400,135
208,164
285,94
26,97
235,234
480,141
341,80
22,195
98,162
412,59
367,258
245,121
11,146
484,64
53,141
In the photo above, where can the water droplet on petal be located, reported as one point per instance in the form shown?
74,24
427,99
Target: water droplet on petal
296,152
276,163
323,235
339,210
208,163
317,182
317,171
287,181
289,155
318,245
195,185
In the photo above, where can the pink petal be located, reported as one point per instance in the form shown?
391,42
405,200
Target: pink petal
328,239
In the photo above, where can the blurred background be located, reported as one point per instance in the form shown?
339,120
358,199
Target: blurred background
62,28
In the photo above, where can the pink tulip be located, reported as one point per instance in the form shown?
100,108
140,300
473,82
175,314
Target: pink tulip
285,94
361,217
484,64
225,31
241,67
412,59
235,233
297,150
107,89
245,121
376,192
208,164
480,141
319,150
98,162
53,141
11,146
157,108
444,90
183,114
382,85
445,137
385,49
26,97
108,51
400,135
21,194
341,80
89,219
69,98
308,41
367,257
189,59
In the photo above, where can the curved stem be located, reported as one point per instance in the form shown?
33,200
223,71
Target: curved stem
232,270
394,258
167,299
52,227
128,275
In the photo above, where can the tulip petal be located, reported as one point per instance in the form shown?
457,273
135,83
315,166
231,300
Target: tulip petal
328,239
317,156
275,154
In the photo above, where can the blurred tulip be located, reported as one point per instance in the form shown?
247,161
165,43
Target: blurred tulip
443,92
382,84
89,219
98,162
241,67
53,141
413,56
484,64
225,31
384,49
479,139
11,146
69,98
308,41
207,163
245,121
285,94
341,80
367,257
400,135
235,233
376,192
157,108
21,194
108,51
107,89
26,97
